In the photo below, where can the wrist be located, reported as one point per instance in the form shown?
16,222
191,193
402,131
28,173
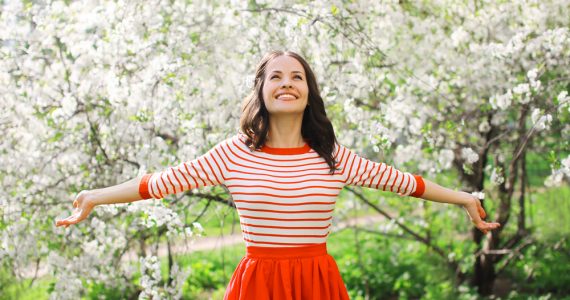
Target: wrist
93,197
468,198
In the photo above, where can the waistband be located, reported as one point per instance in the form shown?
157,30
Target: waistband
286,252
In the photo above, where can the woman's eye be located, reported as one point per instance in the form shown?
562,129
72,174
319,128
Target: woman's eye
297,76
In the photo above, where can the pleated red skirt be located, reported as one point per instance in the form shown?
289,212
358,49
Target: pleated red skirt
292,273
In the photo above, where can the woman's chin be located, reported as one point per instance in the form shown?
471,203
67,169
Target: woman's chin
287,111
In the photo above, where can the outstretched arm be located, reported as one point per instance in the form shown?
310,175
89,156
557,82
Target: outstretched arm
472,205
206,170
86,200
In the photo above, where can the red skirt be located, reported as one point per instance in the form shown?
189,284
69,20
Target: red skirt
291,273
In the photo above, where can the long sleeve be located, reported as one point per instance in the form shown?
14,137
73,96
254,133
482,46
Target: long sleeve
207,170
366,173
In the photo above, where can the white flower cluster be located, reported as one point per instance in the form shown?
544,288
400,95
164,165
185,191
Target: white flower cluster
179,276
445,158
484,126
469,155
497,177
129,69
555,42
522,91
381,135
535,84
150,278
410,152
459,36
68,284
501,101
479,195
158,215
540,120
563,101
557,176
511,48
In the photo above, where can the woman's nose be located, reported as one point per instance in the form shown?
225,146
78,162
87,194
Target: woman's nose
287,83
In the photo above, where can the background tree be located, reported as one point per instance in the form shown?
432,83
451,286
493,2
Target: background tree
95,93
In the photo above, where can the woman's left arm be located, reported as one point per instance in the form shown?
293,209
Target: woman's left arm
471,203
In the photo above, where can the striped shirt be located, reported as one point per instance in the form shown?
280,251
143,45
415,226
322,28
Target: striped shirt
284,196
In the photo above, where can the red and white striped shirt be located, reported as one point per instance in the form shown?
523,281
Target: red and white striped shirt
284,196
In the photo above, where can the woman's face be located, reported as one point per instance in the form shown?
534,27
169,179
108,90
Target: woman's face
285,89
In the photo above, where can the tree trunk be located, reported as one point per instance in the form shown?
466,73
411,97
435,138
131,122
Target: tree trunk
485,273
170,261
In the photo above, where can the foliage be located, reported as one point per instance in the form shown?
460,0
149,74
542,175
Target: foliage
94,93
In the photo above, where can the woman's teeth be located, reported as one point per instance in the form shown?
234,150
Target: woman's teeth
286,97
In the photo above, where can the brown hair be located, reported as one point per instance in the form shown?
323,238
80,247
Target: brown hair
316,128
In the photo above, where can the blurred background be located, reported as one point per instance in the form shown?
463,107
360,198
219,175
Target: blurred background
470,94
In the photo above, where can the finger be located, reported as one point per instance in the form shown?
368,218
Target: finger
70,220
62,221
75,203
494,225
488,226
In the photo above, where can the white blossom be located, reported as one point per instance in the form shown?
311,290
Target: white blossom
150,278
557,176
563,101
479,195
554,179
532,76
79,78
496,177
459,36
469,155
501,101
541,121
445,158
484,127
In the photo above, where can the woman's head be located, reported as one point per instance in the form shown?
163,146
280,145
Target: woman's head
284,86
286,72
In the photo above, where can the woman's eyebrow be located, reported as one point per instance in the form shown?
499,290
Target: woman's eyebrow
278,71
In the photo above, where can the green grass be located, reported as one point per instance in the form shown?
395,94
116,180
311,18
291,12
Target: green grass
548,213
23,291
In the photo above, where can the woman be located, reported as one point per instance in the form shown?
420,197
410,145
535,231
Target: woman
284,171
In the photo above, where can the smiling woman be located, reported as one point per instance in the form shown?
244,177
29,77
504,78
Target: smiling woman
284,171
293,121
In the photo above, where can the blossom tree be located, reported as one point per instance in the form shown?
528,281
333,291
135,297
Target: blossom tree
94,93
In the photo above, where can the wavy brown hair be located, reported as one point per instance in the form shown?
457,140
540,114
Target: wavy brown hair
316,128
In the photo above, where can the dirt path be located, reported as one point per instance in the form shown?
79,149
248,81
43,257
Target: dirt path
204,243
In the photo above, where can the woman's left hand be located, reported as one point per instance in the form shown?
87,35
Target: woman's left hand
477,214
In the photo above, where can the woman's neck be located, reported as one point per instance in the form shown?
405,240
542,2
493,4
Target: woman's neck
285,131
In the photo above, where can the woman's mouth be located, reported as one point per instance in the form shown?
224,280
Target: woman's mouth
286,97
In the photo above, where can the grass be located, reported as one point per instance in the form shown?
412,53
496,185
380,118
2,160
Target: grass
548,213
22,290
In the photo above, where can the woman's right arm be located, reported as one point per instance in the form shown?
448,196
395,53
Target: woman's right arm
206,170
86,200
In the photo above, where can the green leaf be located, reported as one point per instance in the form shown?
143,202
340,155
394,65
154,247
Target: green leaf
58,135
334,10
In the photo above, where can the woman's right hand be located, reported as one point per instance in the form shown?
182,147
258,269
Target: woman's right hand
83,204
